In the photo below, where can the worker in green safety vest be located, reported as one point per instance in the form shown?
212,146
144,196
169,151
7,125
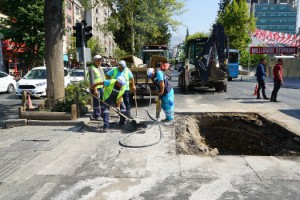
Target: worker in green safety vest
96,74
113,95
122,70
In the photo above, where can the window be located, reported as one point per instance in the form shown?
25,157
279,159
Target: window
69,5
69,19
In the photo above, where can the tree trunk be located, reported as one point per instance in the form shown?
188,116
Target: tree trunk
132,30
53,16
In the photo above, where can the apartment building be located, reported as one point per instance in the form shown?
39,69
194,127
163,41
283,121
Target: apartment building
276,15
95,17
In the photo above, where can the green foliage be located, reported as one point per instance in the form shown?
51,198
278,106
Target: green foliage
138,22
238,24
95,46
25,25
72,53
70,97
118,53
197,35
254,58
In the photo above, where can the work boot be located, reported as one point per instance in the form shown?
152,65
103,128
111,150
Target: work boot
266,98
129,116
258,98
104,130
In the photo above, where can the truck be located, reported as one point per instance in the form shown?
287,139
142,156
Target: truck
206,62
151,56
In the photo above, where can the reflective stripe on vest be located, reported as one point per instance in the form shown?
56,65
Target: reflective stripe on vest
98,77
108,90
126,74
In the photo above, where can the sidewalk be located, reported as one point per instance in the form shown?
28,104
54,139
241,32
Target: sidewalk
293,83
40,162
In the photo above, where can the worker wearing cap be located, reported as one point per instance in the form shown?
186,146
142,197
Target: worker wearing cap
122,70
165,91
113,92
96,74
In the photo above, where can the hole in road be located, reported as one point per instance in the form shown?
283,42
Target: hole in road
233,134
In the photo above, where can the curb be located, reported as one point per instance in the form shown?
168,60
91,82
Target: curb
11,123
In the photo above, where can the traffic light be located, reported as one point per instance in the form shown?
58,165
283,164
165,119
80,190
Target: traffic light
78,34
86,33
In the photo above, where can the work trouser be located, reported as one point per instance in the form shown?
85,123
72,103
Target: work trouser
126,99
262,87
167,104
112,102
97,105
277,85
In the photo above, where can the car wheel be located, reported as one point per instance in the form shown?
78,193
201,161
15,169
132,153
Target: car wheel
10,88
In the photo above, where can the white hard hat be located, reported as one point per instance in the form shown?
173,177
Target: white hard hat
121,80
150,72
123,63
97,57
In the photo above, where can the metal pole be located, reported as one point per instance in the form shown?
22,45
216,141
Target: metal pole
249,62
83,50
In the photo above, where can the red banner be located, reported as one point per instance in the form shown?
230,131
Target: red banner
273,50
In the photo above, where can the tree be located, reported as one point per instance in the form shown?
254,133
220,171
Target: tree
222,6
136,22
238,25
54,29
95,46
25,25
187,34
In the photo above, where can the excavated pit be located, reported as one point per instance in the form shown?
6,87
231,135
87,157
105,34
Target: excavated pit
233,134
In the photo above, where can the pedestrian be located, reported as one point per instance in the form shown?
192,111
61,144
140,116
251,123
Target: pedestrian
122,70
260,77
278,81
96,74
113,95
165,91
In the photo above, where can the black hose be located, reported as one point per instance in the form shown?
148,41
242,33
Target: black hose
154,123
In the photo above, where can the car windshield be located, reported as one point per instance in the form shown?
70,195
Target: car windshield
36,74
77,73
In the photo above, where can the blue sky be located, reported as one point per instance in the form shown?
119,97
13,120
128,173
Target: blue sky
199,16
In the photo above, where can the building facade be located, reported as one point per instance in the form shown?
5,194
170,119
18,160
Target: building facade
276,15
95,17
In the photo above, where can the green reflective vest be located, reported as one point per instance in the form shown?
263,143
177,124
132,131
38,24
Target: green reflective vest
98,76
125,74
108,90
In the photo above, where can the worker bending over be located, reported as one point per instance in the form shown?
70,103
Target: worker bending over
122,70
113,92
166,92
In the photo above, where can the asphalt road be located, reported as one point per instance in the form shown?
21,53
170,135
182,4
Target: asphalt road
9,104
239,90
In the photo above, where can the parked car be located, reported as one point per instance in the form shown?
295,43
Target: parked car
7,83
35,82
77,75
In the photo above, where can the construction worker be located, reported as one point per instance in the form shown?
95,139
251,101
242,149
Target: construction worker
113,92
165,91
96,74
122,70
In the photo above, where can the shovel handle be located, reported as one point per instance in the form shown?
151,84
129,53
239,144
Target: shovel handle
114,109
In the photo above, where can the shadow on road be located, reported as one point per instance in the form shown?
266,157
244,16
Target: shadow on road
292,112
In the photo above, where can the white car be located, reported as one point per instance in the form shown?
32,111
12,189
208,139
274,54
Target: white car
35,82
7,83
77,75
